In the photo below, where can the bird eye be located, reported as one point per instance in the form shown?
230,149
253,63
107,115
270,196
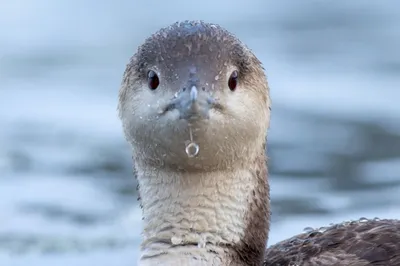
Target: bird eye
232,82
152,80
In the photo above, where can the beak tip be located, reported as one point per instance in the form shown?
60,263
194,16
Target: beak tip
193,93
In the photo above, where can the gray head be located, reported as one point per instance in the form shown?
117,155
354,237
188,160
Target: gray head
194,81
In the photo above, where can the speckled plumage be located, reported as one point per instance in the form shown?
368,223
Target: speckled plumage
357,243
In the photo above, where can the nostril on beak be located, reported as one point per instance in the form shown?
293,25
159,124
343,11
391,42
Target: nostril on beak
193,94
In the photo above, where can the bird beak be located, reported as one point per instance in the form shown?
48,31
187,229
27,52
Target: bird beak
192,104
193,94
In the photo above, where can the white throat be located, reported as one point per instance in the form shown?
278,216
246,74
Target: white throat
194,218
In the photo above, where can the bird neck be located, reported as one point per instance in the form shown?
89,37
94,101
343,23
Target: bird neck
204,218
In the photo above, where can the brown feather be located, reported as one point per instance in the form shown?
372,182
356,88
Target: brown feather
357,243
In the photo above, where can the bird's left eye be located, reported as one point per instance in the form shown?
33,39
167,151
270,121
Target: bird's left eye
152,80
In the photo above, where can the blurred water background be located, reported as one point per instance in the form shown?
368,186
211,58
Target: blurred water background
67,193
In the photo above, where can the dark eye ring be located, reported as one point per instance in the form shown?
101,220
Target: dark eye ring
152,80
233,80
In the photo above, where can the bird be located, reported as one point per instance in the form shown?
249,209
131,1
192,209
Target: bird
195,107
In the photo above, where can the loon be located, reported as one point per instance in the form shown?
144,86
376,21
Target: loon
195,108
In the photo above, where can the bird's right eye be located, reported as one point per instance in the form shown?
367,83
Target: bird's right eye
152,80
233,80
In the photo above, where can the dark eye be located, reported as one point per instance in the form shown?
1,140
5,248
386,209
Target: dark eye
232,82
152,80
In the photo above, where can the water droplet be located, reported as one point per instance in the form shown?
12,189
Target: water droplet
217,77
202,243
141,117
192,149
176,240
322,229
308,230
377,219
346,223
363,220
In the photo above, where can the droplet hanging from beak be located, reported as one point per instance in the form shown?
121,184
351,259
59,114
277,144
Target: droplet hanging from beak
192,148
